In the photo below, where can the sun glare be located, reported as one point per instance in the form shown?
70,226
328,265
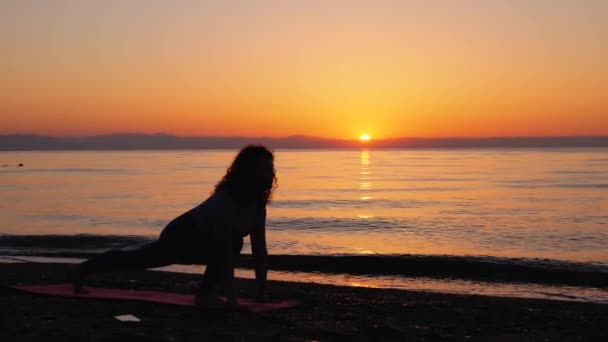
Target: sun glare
364,137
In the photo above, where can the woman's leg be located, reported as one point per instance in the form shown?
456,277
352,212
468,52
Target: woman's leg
210,277
155,254
209,280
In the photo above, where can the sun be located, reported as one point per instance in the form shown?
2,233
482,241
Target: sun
364,137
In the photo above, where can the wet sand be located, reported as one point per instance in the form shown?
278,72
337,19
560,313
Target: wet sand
327,313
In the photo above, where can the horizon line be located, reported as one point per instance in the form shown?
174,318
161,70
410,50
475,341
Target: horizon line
301,136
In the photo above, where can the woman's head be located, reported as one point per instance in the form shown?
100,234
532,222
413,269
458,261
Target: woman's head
251,178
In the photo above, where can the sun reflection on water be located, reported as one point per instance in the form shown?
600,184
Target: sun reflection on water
365,182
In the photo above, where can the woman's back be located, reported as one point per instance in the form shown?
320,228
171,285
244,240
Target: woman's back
219,209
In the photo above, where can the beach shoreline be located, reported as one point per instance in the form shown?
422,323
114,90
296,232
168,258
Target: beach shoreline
326,313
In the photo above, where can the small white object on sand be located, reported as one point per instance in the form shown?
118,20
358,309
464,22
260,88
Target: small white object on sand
127,318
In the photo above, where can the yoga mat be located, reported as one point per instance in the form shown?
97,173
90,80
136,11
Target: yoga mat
65,290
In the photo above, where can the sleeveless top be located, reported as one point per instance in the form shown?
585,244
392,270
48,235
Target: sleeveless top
245,220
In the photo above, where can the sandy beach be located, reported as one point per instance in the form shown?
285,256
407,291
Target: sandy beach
326,313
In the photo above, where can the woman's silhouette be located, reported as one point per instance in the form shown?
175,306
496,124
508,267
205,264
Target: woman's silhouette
211,233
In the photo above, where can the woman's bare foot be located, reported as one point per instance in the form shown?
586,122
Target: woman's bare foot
212,301
208,301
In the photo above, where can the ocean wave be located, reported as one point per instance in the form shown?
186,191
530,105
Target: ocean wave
578,172
391,190
100,221
331,224
585,186
74,170
354,203
486,268
559,185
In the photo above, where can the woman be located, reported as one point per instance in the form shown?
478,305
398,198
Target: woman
211,233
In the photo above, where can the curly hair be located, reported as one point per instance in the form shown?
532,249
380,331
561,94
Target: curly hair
240,178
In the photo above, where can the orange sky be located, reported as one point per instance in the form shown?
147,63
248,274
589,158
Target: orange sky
331,69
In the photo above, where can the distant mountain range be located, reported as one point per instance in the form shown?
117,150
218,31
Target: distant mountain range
31,142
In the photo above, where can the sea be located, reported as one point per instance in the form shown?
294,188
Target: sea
453,220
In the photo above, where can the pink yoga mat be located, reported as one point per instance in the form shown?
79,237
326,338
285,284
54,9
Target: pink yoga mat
65,290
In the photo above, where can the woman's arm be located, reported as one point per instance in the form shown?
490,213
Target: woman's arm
260,253
223,230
